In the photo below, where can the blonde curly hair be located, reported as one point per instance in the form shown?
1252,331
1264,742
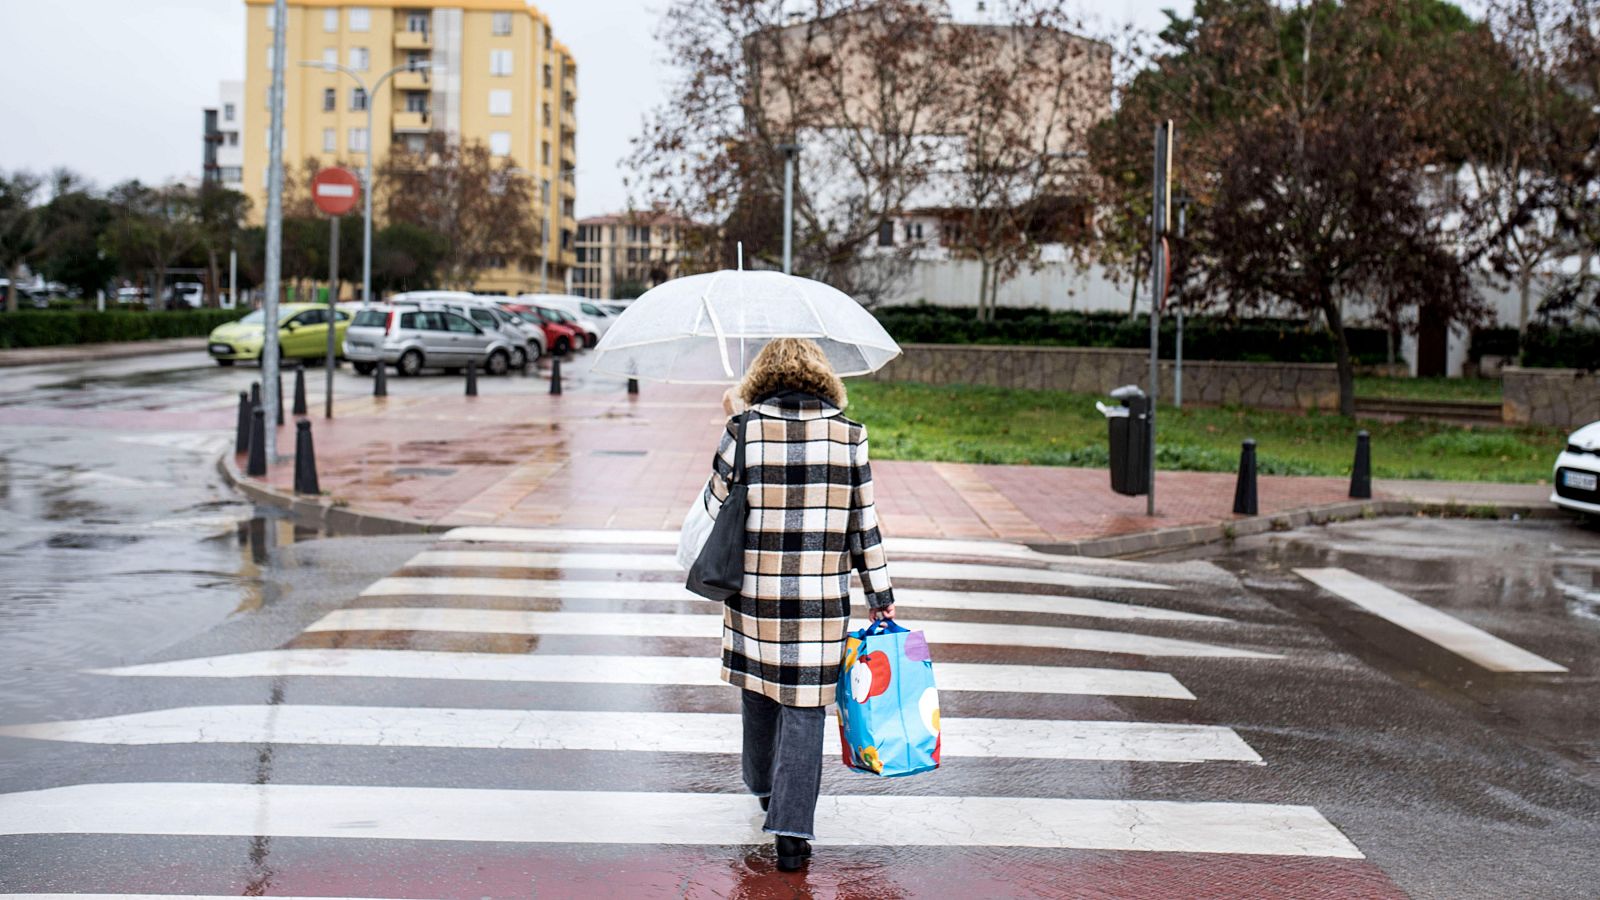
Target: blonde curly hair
796,364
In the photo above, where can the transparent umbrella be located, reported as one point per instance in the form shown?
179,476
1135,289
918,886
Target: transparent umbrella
705,329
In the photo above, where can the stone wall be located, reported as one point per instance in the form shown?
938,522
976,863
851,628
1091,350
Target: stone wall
1093,370
1563,397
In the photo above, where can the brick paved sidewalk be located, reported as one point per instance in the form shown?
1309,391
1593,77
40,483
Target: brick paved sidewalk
595,457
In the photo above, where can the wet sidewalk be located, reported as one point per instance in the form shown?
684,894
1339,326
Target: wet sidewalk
595,457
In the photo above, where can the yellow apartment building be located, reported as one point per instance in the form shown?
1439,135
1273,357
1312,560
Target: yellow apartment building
497,75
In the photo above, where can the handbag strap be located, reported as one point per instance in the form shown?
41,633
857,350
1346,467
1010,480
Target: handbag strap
738,453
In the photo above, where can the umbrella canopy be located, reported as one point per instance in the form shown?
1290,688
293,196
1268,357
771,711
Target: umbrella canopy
705,329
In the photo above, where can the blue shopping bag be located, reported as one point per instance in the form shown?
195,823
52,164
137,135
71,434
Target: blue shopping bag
888,705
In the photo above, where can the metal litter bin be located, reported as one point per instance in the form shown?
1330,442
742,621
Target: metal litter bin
1129,425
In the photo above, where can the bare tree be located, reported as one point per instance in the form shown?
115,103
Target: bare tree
480,204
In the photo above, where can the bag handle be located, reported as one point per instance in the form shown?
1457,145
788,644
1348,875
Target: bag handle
883,626
738,453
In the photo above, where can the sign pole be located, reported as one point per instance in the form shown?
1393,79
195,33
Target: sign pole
1159,214
333,309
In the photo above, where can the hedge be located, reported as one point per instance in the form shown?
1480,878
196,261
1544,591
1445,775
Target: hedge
1543,347
51,328
1204,337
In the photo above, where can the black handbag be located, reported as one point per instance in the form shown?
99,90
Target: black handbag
718,572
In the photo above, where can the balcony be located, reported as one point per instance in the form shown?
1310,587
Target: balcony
413,40
420,80
406,122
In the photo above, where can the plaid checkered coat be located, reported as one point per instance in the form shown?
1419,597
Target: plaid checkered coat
812,521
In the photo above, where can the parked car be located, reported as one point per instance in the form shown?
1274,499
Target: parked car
1577,472
413,337
302,334
612,306
527,343
593,326
186,295
560,337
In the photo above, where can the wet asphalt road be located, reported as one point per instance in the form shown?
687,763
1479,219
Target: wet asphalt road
119,546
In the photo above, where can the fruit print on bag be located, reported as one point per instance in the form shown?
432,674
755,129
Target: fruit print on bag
870,676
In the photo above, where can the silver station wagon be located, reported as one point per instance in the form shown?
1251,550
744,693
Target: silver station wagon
413,338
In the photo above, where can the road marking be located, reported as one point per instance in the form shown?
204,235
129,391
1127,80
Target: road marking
637,817
695,625
645,732
495,534
657,670
1424,621
459,586
645,562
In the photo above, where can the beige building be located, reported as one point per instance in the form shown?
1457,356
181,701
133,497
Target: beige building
626,253
497,75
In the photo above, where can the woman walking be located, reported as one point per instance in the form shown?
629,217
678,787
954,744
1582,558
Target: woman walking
812,521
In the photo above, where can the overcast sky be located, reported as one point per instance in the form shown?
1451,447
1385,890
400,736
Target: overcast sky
115,89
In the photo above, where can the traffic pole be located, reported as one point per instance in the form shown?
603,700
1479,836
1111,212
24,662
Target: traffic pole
333,313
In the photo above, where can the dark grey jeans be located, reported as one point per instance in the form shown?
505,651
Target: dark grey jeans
783,760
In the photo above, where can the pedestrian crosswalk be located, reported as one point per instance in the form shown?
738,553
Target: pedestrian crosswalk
1097,639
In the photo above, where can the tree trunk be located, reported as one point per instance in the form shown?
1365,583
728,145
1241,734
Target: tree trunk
215,277
1133,295
983,287
15,273
1341,348
1524,289
157,301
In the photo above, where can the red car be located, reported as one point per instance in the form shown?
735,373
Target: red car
558,335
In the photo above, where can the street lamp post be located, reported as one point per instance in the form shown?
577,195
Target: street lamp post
366,215
791,153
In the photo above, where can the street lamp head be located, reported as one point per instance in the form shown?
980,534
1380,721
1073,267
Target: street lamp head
789,151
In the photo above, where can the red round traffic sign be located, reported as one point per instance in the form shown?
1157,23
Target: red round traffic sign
335,190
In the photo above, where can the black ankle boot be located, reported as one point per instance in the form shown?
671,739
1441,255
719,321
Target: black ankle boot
764,801
792,852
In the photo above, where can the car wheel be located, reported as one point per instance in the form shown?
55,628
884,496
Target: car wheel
519,358
562,346
366,368
591,339
410,363
225,363
533,354
499,363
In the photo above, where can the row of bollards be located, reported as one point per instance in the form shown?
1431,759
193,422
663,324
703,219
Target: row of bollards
250,436
1246,500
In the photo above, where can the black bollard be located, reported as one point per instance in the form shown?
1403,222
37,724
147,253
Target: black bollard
633,385
1244,493
555,376
300,390
380,381
280,396
1361,473
472,378
305,460
255,393
257,466
241,432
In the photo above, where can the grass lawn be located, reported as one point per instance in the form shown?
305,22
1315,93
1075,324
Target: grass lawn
1485,390
996,425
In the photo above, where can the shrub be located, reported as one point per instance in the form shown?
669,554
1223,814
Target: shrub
1561,348
1204,337
51,328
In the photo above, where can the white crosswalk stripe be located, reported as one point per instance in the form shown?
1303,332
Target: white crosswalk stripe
634,562
658,732
911,598
532,622
682,670
629,817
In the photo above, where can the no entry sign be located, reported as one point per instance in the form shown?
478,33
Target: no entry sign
335,190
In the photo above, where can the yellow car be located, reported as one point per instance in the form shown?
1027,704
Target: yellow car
302,334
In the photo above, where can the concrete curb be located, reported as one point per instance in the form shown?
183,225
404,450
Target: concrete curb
50,356
329,516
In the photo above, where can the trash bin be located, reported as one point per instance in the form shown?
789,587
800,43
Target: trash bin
1130,440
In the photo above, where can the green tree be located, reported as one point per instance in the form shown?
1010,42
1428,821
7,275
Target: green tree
406,257
75,221
20,228
152,228
220,213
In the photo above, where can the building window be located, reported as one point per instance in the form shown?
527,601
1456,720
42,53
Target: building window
358,58
499,103
270,56
499,62
358,140
914,231
330,20
544,152
232,174
502,23
548,39
544,191
358,100
500,143
360,18
227,112
549,75
417,22
269,96
886,234
330,141
416,101
272,17
330,56
547,114
233,138
330,99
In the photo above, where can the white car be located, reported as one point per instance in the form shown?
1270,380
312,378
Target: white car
1577,472
594,321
